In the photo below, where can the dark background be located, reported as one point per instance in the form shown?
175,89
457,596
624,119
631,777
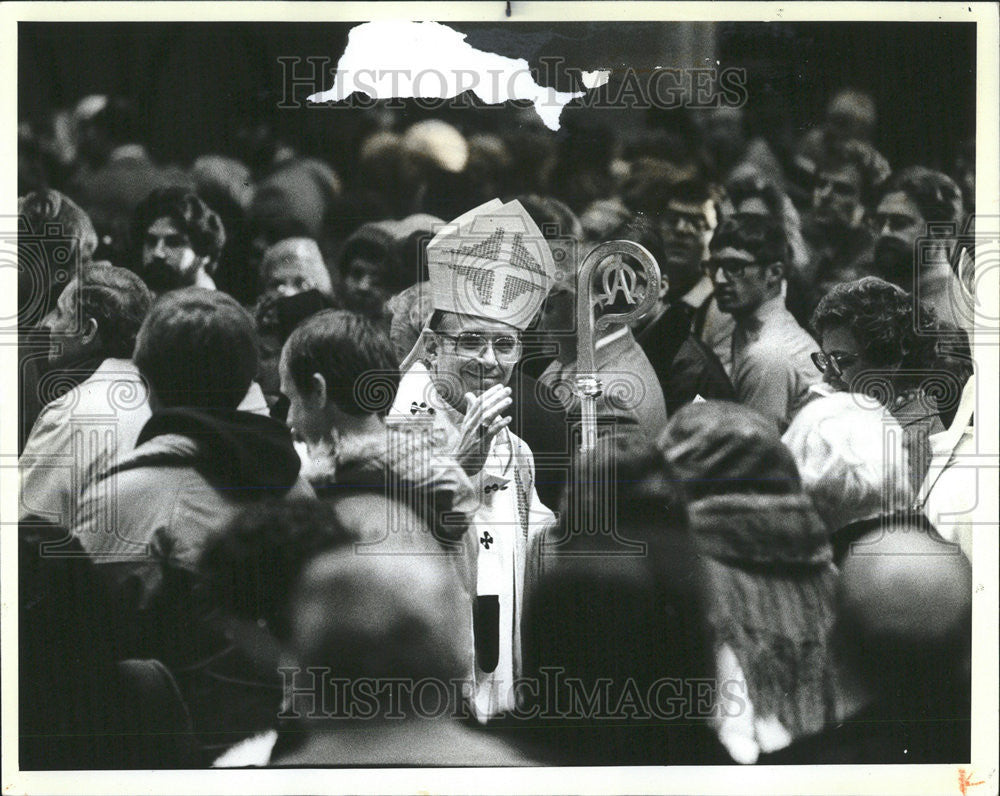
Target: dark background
194,81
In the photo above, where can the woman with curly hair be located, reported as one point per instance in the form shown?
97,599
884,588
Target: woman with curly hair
875,339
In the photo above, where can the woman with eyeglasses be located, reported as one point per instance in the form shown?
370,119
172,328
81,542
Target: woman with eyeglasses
876,339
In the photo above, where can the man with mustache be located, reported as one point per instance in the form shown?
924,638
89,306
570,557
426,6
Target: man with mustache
772,368
490,271
916,221
179,240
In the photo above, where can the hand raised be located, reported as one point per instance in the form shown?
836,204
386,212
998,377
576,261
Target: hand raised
482,422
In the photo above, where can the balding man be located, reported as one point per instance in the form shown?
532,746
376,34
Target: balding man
417,640
901,651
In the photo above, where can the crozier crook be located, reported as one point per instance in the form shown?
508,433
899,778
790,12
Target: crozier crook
616,276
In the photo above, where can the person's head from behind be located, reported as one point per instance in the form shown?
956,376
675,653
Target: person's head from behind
911,201
382,617
251,568
753,195
411,311
99,131
851,458
869,338
55,236
559,225
686,213
179,239
646,501
293,266
722,448
749,255
276,317
725,135
601,615
197,349
98,314
339,373
903,631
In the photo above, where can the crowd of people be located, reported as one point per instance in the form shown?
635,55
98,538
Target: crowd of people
303,473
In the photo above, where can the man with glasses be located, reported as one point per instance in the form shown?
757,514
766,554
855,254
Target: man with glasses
490,271
685,215
772,368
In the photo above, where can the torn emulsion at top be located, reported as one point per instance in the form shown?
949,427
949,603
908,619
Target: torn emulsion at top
406,60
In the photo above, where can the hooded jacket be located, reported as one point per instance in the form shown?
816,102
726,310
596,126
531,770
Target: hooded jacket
145,524
191,472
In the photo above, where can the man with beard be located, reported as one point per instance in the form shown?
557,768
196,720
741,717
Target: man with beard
772,368
841,244
685,214
490,271
916,221
179,240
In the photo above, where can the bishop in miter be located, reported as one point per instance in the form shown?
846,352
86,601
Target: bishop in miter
490,271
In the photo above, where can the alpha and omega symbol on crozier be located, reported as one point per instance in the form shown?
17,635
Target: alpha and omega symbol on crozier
619,277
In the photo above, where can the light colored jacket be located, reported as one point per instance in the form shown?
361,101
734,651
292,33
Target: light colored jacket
153,513
79,435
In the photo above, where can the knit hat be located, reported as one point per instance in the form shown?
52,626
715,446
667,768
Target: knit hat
721,448
767,560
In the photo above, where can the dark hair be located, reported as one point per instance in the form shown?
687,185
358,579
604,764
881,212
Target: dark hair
881,317
117,120
646,494
657,185
762,237
197,348
871,166
251,567
620,622
353,355
555,220
196,219
119,301
936,195
372,241
641,229
278,315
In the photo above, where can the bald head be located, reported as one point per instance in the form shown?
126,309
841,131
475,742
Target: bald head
905,589
368,615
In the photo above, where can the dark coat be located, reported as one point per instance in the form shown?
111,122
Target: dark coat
684,365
